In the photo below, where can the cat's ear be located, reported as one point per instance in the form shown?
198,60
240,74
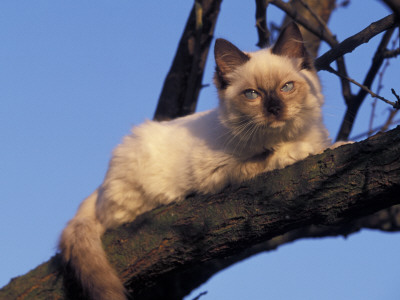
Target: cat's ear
227,57
290,43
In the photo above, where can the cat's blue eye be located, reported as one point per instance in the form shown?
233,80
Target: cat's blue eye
251,94
287,87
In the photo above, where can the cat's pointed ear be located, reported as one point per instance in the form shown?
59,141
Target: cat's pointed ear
290,43
227,57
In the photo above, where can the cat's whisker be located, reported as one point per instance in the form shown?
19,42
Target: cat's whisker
239,125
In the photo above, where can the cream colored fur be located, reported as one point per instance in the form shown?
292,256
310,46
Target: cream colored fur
159,163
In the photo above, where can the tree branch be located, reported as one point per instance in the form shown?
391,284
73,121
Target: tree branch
261,23
314,28
349,44
395,105
183,82
330,189
356,100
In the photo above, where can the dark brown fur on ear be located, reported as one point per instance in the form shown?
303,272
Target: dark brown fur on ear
290,43
227,57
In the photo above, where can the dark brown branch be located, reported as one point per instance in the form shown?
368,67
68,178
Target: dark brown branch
183,82
395,7
316,30
390,121
330,189
356,101
261,23
391,53
321,22
349,44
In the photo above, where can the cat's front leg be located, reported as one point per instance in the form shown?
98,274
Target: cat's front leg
288,153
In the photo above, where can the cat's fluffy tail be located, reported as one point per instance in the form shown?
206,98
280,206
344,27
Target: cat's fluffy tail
82,250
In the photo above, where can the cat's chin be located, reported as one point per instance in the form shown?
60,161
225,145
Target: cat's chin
276,124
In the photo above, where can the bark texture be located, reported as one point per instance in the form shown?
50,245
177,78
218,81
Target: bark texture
330,189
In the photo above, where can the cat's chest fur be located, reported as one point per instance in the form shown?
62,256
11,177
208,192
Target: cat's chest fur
192,154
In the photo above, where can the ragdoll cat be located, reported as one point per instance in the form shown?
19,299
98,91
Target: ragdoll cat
269,116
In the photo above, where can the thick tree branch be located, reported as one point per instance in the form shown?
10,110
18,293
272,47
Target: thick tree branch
261,23
183,82
330,189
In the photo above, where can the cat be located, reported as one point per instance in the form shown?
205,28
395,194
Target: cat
269,116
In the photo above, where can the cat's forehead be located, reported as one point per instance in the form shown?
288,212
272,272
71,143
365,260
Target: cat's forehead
267,69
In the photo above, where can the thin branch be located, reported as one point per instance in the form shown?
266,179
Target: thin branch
390,121
381,52
377,61
354,103
395,105
391,53
378,90
288,9
397,96
321,22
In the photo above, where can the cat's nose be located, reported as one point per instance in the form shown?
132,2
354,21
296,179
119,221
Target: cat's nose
275,110
273,105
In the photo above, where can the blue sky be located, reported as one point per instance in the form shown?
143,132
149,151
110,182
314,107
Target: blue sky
76,75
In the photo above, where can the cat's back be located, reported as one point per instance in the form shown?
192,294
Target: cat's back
163,156
177,133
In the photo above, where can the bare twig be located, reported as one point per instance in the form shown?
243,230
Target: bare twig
371,118
395,105
391,53
378,90
397,96
381,51
390,121
355,101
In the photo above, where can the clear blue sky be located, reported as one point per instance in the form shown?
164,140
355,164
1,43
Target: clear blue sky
76,75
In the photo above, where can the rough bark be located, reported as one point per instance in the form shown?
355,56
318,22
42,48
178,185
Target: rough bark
330,189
